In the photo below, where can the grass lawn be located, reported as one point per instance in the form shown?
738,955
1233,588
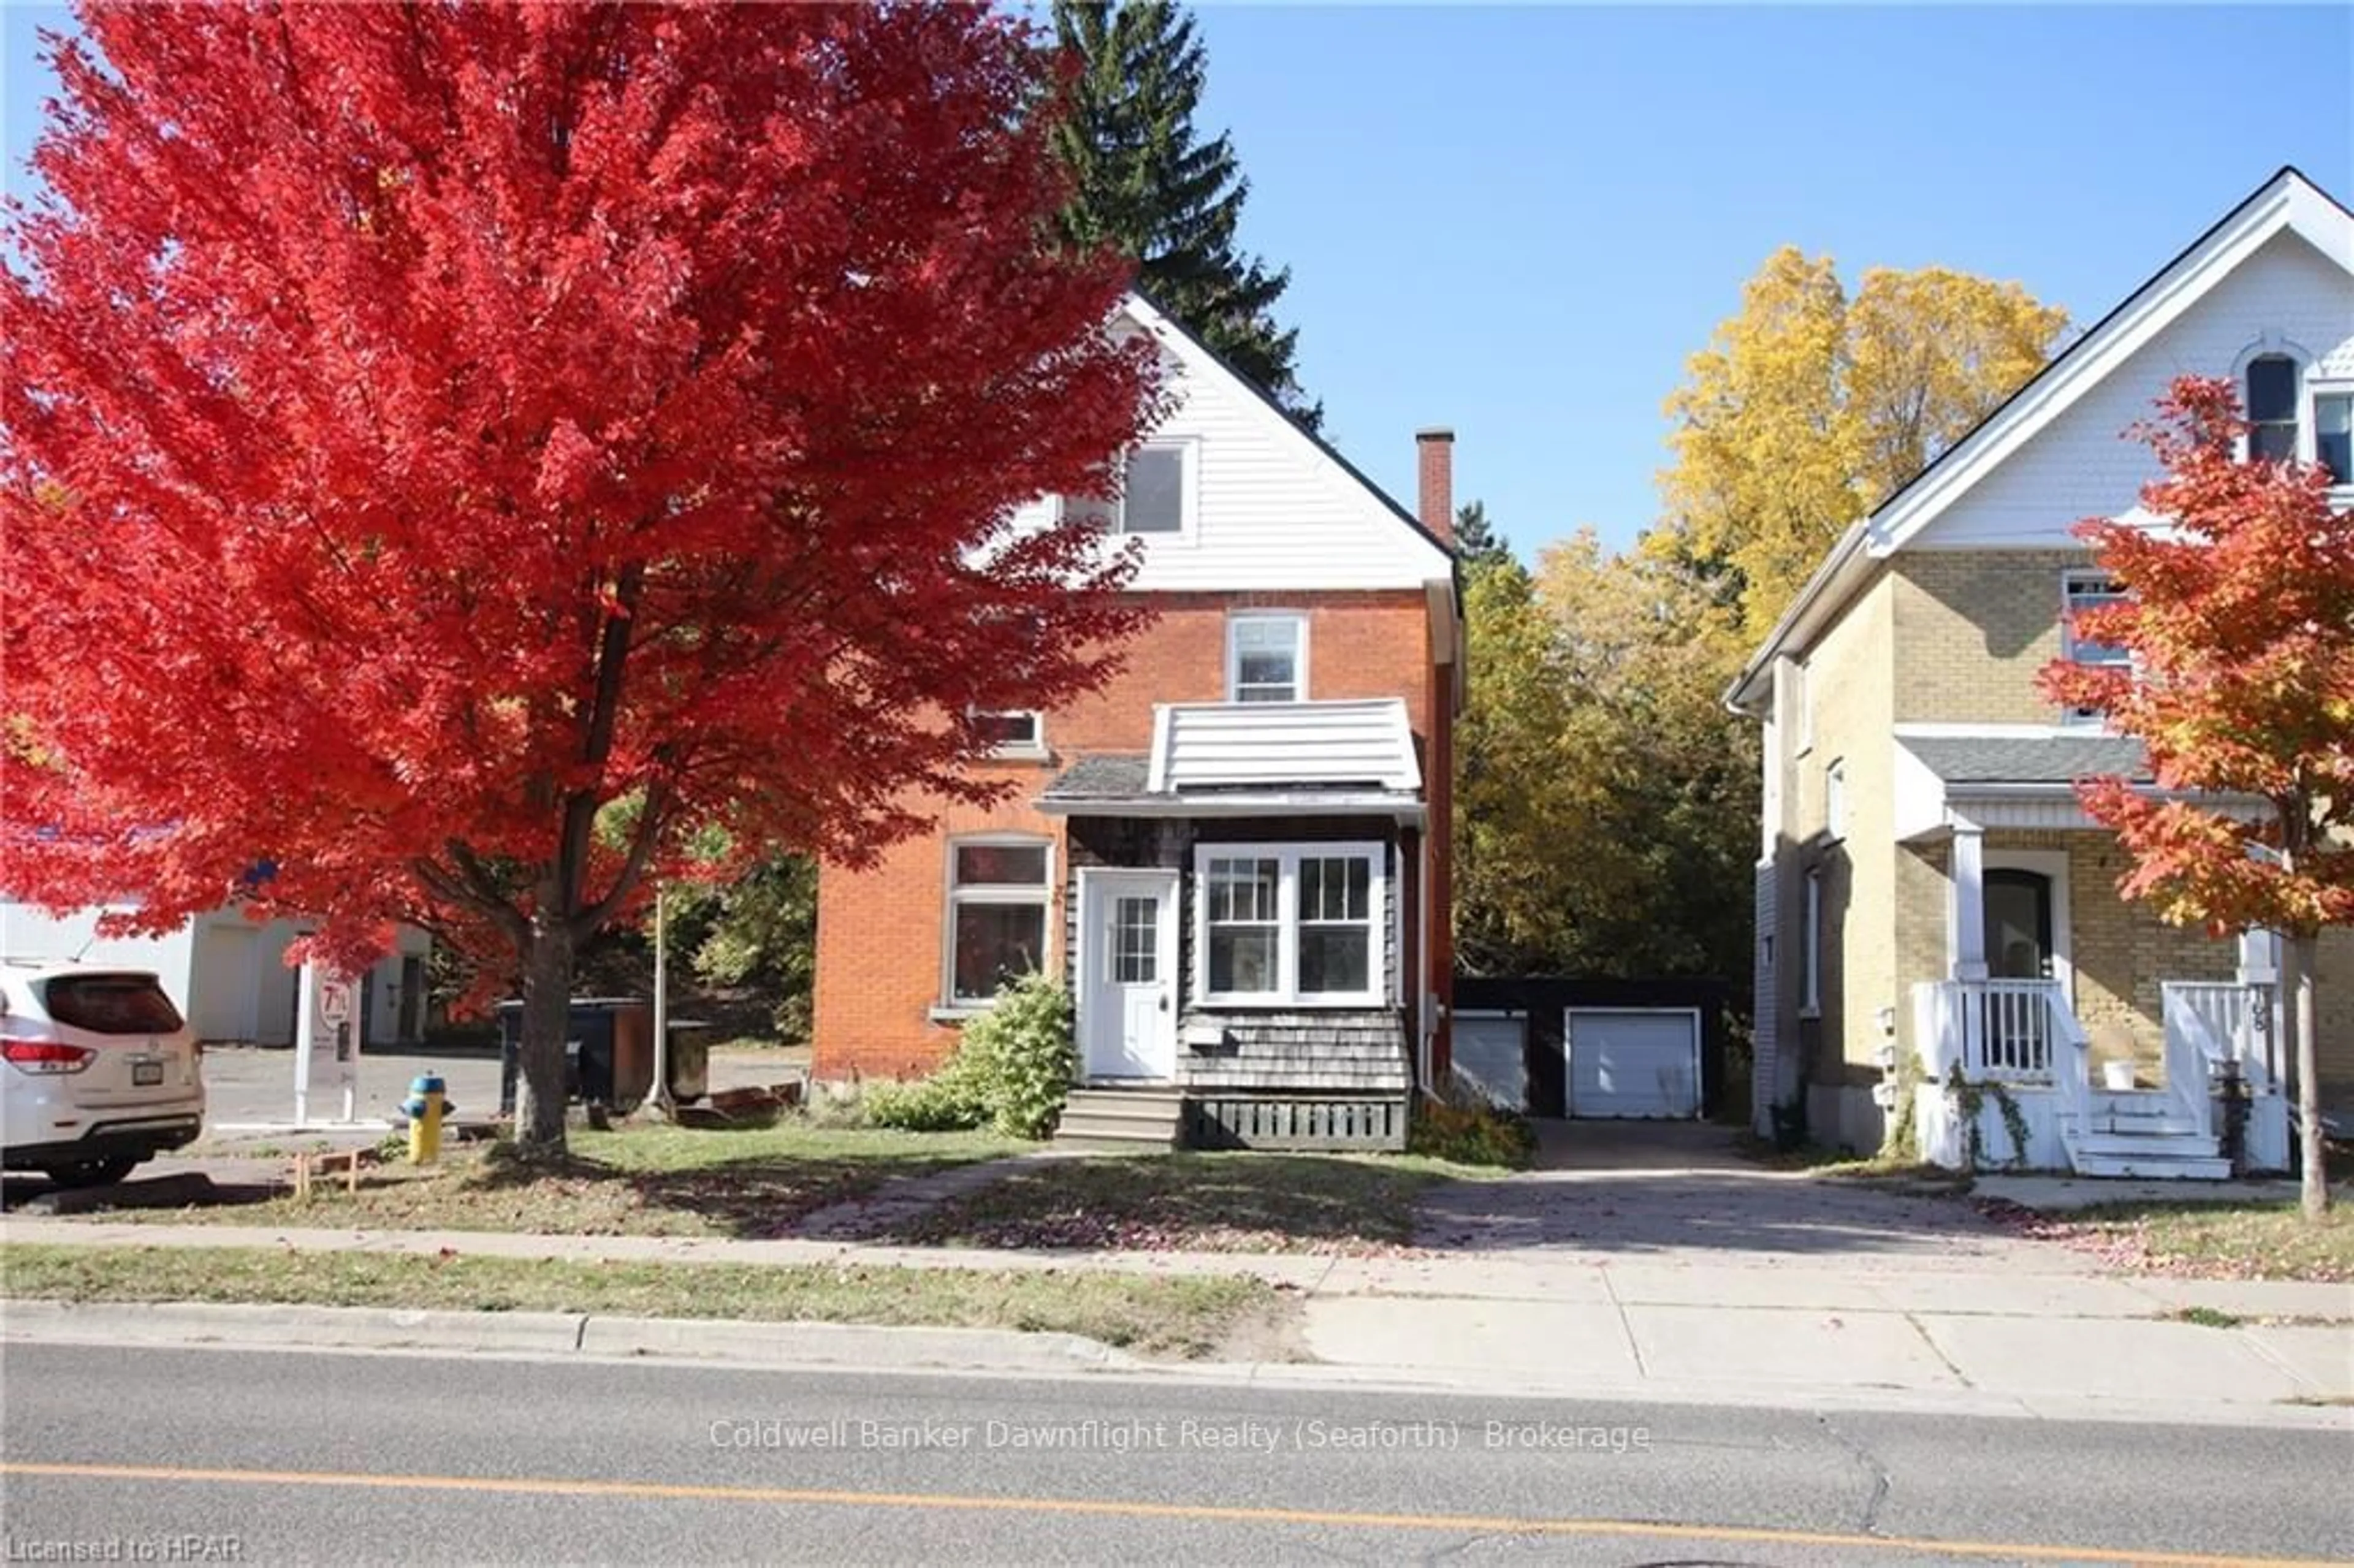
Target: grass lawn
650,1181
1176,1318
2212,1240
1195,1202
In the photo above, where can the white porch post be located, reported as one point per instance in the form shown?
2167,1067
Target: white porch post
1966,934
2259,958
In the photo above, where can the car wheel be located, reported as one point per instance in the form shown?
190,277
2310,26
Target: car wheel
92,1172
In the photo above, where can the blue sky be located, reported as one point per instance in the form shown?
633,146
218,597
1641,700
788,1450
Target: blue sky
1519,221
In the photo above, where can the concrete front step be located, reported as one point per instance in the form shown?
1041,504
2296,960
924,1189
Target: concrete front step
2145,1125
2178,1146
1121,1121
2163,1168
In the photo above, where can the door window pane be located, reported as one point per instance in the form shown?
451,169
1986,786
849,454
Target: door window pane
2018,925
1136,941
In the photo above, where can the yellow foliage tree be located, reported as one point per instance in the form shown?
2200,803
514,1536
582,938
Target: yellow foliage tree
1809,409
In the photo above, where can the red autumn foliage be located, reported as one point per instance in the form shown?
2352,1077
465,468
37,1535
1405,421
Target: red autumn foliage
2240,618
459,454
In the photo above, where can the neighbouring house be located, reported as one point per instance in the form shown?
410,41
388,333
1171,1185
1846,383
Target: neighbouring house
1932,901
1236,853
227,975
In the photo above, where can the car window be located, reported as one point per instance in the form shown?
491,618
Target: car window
111,1004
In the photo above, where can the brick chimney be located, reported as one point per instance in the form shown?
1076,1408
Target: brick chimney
1434,468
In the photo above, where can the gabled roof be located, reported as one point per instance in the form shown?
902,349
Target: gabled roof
1168,327
2286,203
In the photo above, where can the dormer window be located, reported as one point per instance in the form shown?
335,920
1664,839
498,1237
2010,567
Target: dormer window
2272,408
1155,497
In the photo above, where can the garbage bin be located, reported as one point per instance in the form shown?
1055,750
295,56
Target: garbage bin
689,1069
608,1049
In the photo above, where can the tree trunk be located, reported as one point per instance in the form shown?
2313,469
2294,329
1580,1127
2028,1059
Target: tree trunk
547,1023
2298,955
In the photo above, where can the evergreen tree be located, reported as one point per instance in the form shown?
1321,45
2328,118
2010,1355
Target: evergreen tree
1477,540
1150,186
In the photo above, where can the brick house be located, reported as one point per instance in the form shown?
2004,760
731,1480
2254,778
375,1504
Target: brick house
1236,853
1930,897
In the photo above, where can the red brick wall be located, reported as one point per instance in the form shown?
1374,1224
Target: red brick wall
880,941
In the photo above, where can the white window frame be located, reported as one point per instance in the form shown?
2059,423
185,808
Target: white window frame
1114,508
1034,748
2316,389
2312,387
1835,798
1810,972
1288,857
954,897
1297,620
1802,708
2299,404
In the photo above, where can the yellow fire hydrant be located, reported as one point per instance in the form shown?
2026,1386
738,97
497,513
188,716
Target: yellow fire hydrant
424,1107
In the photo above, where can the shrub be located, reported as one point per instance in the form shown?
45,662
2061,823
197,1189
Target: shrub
1011,1070
1471,1134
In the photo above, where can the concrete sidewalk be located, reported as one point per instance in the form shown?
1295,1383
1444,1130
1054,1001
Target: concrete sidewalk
1696,1329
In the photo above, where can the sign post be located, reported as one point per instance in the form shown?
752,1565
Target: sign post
326,1052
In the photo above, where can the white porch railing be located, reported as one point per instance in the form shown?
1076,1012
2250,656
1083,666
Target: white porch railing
1997,1028
2227,1021
2010,1031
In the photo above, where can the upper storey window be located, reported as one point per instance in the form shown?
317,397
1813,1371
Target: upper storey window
1156,493
1267,658
2272,408
2333,434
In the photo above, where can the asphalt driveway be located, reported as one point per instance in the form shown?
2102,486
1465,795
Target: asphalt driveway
1682,1192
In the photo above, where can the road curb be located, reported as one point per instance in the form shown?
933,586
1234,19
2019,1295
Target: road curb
732,1340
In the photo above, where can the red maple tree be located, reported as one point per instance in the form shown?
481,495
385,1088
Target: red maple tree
2239,615
459,454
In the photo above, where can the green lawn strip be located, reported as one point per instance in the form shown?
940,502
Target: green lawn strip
1183,1316
2221,1240
656,1181
1194,1203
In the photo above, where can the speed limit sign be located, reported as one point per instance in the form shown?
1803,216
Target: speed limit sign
335,1003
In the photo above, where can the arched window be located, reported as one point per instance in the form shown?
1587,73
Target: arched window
2271,406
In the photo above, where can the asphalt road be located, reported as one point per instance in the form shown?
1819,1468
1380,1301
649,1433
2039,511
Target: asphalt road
196,1455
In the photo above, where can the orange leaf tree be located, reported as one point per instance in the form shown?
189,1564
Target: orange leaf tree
2240,617
463,454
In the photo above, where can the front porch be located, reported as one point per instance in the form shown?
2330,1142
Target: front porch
2008,1078
1247,929
2066,1028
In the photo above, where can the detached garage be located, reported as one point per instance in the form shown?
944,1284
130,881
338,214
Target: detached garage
1633,1062
1562,1046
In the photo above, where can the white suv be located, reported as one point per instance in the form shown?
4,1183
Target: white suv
98,1071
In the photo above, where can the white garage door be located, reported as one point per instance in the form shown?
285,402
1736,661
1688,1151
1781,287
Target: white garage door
1633,1064
1488,1058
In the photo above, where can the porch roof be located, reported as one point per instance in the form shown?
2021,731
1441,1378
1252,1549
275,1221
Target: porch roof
1272,759
2025,760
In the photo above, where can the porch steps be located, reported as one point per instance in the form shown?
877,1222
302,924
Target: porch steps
2140,1132
1121,1121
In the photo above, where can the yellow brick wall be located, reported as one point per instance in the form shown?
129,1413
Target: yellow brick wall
1972,628
1848,686
2334,1000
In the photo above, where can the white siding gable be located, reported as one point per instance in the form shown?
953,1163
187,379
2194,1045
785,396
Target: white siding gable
1273,511
2289,294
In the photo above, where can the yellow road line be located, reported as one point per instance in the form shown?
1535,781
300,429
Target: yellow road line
1113,1508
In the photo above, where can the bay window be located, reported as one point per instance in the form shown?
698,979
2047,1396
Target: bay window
1291,925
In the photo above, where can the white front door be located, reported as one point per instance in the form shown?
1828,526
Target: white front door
1128,1009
